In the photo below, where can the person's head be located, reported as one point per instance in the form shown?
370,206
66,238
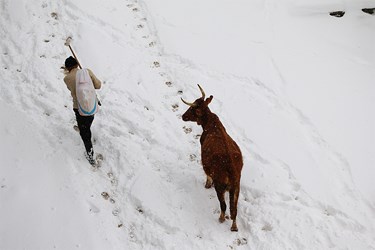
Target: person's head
71,63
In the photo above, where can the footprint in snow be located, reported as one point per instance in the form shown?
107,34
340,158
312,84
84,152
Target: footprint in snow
140,210
156,64
240,241
112,178
187,130
116,211
105,195
267,227
54,15
175,107
193,157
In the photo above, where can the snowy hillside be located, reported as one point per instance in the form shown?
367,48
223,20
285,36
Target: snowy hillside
293,86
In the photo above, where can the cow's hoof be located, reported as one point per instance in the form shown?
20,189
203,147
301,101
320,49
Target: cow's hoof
234,227
222,218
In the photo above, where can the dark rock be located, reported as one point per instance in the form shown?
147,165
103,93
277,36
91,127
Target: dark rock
337,13
370,11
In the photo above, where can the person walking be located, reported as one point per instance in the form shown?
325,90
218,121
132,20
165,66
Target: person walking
84,122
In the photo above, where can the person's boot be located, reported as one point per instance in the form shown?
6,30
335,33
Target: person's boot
90,157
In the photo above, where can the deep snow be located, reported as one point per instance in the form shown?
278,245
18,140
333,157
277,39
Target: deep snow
293,86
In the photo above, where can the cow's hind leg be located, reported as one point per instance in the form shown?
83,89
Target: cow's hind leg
220,191
233,196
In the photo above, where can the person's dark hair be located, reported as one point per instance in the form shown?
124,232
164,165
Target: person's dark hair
70,62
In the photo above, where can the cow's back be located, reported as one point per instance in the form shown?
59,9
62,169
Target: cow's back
221,154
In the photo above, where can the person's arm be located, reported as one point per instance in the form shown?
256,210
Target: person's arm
67,82
97,83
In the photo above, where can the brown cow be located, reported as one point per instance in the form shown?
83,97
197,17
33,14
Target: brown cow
221,157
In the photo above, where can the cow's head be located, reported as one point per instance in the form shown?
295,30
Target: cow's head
198,109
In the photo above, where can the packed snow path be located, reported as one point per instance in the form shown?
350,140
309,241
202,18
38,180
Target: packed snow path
297,189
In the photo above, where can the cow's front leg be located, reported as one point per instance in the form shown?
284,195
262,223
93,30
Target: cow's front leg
208,182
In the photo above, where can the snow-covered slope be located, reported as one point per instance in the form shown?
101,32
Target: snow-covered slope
293,86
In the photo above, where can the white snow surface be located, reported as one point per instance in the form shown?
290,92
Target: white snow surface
293,86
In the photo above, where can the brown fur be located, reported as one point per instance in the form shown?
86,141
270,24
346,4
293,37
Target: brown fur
221,156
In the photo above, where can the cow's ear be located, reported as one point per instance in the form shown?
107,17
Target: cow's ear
208,100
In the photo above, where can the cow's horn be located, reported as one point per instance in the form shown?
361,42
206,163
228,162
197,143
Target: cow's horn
188,103
202,91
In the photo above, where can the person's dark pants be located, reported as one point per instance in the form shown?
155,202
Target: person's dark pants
84,125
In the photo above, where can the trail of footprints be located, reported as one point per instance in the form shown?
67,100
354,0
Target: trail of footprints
142,29
133,5
110,196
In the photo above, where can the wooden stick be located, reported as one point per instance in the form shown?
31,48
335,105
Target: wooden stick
79,65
